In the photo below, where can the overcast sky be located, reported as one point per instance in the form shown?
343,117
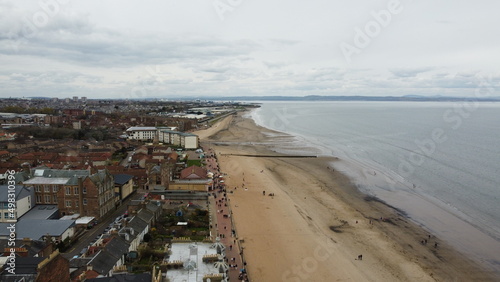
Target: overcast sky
188,48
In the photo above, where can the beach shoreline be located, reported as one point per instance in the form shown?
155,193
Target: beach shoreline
318,223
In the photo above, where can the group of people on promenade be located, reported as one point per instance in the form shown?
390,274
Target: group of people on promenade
224,225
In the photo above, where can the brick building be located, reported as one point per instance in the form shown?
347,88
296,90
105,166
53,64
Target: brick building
84,192
51,268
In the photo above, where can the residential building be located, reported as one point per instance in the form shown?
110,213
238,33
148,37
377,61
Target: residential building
74,191
165,135
28,248
142,133
111,256
124,186
189,140
40,269
182,139
4,155
24,201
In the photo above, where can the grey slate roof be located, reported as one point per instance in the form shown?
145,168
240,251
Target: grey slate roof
20,192
42,175
105,259
121,179
35,229
137,224
41,212
152,207
27,265
145,215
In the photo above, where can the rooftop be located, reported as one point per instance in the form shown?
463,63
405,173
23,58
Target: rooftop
44,180
191,253
121,179
35,229
41,212
139,128
20,192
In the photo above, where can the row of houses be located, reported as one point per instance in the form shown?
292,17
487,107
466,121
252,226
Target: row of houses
164,135
108,255
38,259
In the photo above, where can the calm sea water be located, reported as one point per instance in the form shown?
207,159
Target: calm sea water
437,161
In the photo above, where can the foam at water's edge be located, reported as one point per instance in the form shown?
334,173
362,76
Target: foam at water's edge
374,179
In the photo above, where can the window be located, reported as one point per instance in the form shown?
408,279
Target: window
46,188
85,201
76,204
38,188
38,198
68,204
6,215
76,190
84,190
55,199
68,190
54,188
47,199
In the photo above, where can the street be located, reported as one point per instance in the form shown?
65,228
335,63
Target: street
91,234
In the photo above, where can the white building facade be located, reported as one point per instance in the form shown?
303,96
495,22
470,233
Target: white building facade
165,135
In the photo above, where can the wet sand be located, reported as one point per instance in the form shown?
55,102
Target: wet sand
318,223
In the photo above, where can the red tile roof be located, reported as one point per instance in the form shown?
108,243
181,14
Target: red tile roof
193,172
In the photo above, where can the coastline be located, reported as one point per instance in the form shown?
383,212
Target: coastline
317,223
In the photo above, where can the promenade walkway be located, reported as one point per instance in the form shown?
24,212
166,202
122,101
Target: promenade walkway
222,222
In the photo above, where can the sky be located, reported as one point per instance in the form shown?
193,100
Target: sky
125,49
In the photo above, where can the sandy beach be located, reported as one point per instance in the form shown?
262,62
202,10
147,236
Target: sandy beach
317,226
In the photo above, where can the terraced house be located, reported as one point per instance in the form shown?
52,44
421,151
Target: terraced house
84,192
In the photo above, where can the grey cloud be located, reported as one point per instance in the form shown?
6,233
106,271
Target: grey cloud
410,72
73,38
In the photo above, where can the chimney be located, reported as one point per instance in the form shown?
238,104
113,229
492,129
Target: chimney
80,195
26,167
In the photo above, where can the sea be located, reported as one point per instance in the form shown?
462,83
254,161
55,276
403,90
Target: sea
437,162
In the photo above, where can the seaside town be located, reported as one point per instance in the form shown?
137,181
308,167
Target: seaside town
263,141
93,190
